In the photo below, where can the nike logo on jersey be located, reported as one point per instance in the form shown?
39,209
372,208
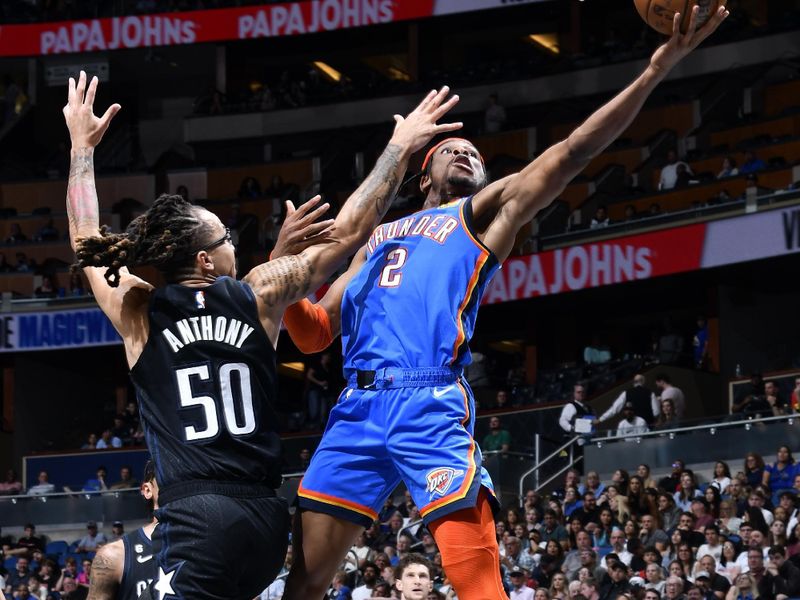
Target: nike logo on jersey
439,392
143,559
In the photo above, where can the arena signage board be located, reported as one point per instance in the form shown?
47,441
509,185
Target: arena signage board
56,330
632,258
252,22
582,266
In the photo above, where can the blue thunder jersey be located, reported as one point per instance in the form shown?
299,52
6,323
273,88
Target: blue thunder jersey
206,385
415,301
140,569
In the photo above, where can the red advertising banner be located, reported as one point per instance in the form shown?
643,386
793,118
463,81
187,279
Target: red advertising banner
195,27
608,262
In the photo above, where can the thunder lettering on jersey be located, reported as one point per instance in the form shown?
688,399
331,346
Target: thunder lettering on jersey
206,386
140,566
415,300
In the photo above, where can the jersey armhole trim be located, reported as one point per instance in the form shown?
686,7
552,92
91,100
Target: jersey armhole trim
465,212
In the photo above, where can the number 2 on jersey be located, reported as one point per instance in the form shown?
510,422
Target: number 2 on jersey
390,275
209,404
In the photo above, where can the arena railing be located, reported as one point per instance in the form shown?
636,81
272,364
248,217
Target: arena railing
720,423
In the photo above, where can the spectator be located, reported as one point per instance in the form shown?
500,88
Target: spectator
126,479
117,531
618,584
15,235
688,491
713,545
751,163
673,588
651,536
631,424
47,232
787,575
19,575
120,429
766,403
91,442
369,577
668,419
700,344
722,476
497,440
671,482
501,399
85,574
72,591
600,218
11,486
98,483
618,551
654,210
553,530
519,587
669,173
712,585
43,486
107,440
703,518
495,116
92,540
630,213
667,390
728,168
643,402
794,402
249,189
683,175
76,287
779,475
744,588
23,264
29,542
728,521
577,415
47,289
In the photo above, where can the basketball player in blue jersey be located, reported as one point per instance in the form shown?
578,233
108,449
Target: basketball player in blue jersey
406,309
123,570
201,350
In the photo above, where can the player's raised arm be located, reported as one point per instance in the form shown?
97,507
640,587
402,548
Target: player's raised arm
287,279
86,130
517,198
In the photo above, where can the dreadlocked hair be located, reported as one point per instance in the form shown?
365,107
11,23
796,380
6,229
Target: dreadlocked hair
165,236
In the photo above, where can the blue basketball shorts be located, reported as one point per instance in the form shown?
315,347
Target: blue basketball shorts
377,437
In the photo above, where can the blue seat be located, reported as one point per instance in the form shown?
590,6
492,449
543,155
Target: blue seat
10,563
56,548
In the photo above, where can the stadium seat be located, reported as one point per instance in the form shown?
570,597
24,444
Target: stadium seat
56,548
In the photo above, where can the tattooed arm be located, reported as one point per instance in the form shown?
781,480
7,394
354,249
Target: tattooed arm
285,280
107,569
123,304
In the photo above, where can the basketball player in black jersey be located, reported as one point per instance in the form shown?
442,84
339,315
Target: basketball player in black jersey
202,353
123,570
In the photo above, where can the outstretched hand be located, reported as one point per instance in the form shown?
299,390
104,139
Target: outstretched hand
681,44
419,126
85,128
300,229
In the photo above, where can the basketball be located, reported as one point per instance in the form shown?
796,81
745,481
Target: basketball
659,13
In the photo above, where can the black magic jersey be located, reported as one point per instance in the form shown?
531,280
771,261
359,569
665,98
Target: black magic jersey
206,383
140,566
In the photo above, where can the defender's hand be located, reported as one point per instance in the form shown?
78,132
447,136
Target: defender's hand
85,128
299,229
419,126
680,45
